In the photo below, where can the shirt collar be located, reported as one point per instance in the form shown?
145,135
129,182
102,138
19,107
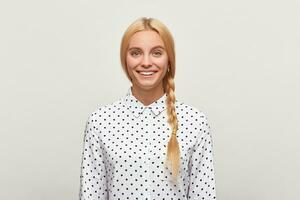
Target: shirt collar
138,107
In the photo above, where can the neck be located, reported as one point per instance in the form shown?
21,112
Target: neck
147,96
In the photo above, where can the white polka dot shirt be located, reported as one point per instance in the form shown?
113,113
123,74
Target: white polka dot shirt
124,151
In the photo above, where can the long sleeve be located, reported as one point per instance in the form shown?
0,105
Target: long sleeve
202,177
93,174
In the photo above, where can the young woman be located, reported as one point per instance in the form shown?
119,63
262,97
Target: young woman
147,144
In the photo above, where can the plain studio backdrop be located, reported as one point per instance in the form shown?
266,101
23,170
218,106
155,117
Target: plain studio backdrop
237,61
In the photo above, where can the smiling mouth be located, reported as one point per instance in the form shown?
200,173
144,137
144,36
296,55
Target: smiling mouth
146,73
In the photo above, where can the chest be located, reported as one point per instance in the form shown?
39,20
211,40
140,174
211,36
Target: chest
135,146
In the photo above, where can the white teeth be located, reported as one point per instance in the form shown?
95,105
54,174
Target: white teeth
146,73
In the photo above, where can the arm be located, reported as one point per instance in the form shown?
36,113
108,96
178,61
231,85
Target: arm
93,173
201,165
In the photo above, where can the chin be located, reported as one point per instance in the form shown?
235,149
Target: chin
147,84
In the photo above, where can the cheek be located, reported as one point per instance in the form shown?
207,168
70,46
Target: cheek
131,62
163,63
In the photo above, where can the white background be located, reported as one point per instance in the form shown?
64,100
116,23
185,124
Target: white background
237,61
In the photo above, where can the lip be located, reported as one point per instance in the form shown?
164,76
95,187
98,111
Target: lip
147,76
146,71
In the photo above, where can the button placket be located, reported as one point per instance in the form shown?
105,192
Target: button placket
148,122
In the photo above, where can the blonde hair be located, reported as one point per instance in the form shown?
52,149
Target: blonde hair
143,24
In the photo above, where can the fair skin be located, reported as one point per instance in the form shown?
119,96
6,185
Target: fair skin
147,64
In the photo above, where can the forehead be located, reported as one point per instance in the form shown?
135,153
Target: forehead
145,39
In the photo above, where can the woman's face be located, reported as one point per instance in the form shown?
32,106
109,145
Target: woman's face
146,60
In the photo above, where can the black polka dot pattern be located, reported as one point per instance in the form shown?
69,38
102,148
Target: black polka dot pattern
124,151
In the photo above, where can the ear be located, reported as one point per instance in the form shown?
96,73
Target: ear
169,67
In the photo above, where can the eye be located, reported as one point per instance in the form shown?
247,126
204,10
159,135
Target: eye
157,53
134,53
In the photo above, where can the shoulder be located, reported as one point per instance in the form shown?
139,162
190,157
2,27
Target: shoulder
188,110
193,117
103,111
193,122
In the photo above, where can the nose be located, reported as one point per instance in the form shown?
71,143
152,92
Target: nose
146,61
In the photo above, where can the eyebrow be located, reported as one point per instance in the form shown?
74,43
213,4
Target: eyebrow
157,46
